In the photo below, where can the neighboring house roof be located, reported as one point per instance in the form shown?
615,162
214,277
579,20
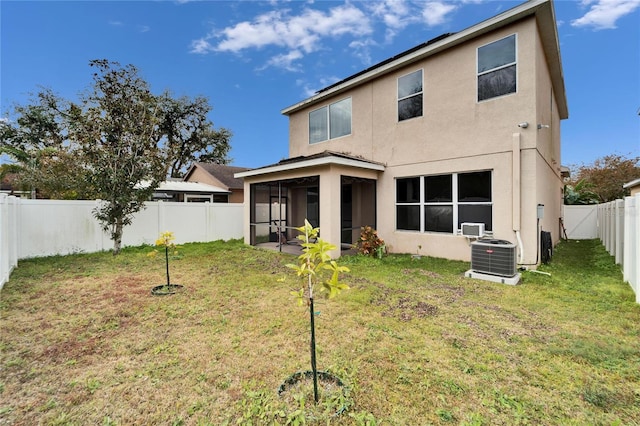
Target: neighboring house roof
632,184
541,9
320,159
222,172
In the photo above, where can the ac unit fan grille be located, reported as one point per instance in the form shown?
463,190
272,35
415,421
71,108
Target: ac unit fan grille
495,257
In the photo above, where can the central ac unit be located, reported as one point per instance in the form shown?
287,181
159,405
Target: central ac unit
475,230
495,257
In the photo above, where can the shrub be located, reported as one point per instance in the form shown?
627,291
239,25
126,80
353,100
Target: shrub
370,244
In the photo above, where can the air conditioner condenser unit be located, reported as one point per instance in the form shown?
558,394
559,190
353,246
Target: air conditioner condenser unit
494,260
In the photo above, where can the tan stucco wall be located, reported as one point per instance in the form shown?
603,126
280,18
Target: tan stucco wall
453,124
200,175
458,134
236,196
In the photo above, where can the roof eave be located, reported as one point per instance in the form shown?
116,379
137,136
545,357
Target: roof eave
631,184
323,161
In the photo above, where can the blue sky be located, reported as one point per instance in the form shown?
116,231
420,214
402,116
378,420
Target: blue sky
254,58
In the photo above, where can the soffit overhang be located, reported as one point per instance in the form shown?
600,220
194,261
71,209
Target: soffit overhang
307,163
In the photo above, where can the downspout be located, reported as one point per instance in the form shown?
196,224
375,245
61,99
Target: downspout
515,199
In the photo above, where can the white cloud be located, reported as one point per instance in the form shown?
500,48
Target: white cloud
201,46
285,61
361,49
308,90
394,13
116,23
298,34
603,14
435,12
144,28
302,32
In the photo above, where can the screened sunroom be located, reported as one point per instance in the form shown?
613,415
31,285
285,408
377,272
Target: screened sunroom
332,191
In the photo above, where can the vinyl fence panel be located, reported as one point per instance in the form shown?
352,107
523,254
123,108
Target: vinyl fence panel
581,222
631,266
52,227
619,231
49,227
8,236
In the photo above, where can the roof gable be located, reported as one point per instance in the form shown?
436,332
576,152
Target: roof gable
222,172
543,12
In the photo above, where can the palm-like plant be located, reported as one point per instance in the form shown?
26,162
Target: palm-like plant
580,193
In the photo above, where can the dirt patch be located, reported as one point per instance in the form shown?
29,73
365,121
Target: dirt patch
407,308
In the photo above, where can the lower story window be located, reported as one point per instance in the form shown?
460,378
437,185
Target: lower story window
441,203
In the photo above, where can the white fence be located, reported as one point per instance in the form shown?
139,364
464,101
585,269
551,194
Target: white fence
34,228
581,222
619,231
8,236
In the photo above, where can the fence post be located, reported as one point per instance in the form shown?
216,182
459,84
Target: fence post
605,226
209,220
4,240
619,231
631,263
612,228
14,222
634,240
161,217
600,223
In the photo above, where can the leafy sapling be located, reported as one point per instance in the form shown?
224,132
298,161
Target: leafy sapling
317,271
166,240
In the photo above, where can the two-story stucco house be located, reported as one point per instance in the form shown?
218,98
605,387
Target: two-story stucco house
463,128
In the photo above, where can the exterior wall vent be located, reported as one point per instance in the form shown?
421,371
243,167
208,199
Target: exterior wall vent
495,257
474,230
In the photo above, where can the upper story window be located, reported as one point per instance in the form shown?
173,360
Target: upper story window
410,96
330,121
497,68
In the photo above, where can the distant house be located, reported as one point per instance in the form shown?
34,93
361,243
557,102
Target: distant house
190,192
218,175
633,186
8,186
464,128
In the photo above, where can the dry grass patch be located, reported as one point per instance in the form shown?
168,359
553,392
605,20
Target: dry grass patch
84,342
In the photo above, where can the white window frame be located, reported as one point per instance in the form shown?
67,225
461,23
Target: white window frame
454,202
327,109
515,62
420,93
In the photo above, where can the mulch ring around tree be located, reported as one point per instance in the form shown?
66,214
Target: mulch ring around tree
333,395
166,289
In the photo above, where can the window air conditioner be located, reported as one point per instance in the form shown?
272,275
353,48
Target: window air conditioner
475,230
495,257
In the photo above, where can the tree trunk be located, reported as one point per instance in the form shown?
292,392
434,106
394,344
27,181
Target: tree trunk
116,235
313,351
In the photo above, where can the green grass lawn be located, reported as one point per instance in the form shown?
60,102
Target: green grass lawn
85,343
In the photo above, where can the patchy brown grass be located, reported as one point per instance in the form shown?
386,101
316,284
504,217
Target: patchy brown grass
84,342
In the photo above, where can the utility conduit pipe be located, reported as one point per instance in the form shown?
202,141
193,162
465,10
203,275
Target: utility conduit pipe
516,187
